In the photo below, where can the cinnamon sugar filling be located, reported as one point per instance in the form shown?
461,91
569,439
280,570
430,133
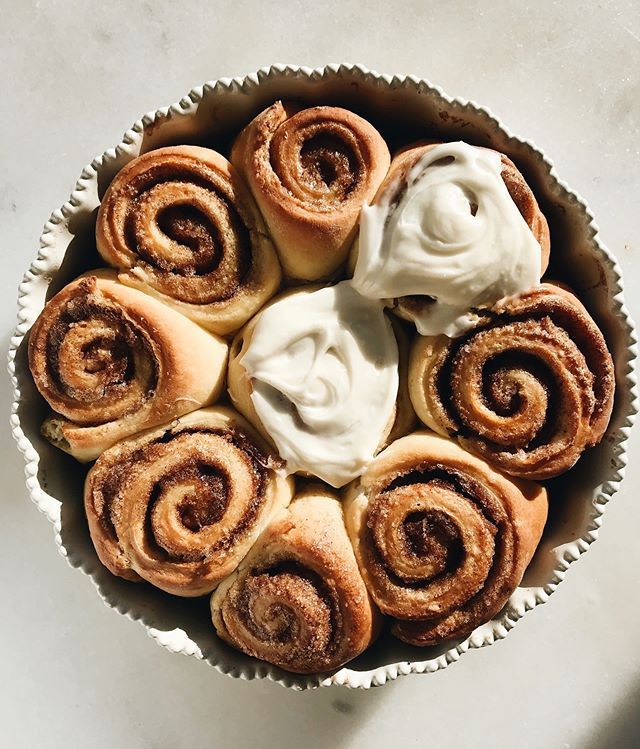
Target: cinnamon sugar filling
459,591
329,165
206,498
320,163
431,535
507,378
206,253
95,355
289,604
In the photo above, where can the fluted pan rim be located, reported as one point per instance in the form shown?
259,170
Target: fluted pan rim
247,93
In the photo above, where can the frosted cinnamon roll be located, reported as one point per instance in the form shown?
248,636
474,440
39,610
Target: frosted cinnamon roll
298,600
310,171
180,224
529,388
453,227
442,539
111,361
317,373
181,505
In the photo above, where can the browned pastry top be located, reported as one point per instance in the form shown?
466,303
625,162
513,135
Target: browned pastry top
180,223
298,599
180,505
442,539
529,388
89,355
310,171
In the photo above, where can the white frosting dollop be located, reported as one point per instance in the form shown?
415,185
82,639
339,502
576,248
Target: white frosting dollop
455,235
324,371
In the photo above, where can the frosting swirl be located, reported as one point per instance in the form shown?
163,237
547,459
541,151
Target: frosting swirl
323,368
452,233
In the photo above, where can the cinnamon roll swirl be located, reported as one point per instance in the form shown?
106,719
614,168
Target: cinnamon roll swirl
180,224
316,372
529,388
442,539
298,600
111,361
310,171
453,227
181,505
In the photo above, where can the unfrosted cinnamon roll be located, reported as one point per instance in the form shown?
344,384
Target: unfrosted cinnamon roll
453,227
442,539
310,171
180,224
181,505
529,388
111,361
298,600
316,372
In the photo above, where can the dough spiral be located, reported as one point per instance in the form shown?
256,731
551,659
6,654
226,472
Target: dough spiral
298,600
180,224
529,388
310,171
442,539
111,361
181,505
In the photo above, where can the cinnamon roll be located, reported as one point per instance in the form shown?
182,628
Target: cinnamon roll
442,539
529,388
317,373
111,361
181,505
180,224
310,171
298,600
452,228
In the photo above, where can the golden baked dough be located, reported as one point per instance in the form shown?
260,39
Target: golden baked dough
111,361
404,417
437,530
181,505
298,600
529,388
310,171
180,224
442,539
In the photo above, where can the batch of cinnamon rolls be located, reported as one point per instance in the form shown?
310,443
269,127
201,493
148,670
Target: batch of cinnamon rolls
320,384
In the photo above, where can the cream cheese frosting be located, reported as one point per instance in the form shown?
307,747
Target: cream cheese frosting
454,235
323,367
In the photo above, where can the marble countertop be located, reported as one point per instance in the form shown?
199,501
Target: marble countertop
74,76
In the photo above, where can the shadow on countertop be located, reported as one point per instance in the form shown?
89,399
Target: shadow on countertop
620,728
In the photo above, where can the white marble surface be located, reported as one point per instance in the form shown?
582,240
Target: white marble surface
73,76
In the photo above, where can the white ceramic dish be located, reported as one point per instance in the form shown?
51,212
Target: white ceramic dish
210,115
